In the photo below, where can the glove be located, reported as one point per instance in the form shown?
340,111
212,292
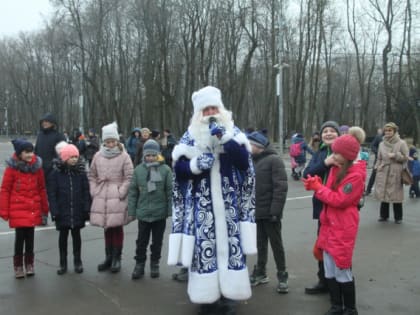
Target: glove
205,161
312,183
44,219
317,253
217,131
274,219
86,216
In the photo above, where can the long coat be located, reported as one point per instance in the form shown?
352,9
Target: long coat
388,184
23,197
340,216
213,219
109,179
68,195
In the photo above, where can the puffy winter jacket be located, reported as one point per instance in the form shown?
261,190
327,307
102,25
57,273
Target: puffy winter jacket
23,197
340,216
68,195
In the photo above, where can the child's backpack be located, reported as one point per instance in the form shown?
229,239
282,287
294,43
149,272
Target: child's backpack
295,149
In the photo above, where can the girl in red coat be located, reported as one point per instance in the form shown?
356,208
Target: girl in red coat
23,202
340,221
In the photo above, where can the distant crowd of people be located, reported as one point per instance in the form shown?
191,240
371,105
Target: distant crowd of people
224,189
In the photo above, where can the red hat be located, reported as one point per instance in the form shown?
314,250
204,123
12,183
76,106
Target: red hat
68,151
347,146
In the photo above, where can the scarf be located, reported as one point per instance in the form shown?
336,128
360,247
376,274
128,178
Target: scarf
153,175
110,153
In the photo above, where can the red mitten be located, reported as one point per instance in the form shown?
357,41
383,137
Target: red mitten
317,253
313,183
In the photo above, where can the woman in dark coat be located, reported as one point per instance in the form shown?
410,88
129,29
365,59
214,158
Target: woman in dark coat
69,198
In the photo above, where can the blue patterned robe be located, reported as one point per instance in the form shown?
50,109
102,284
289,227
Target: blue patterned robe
213,221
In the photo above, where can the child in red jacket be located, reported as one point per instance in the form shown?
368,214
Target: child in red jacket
340,220
23,202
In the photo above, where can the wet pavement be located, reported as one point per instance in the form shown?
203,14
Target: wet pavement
386,268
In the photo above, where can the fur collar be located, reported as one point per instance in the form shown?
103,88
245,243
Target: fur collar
62,167
22,166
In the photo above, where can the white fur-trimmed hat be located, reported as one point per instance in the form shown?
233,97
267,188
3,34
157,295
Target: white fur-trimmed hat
207,96
110,131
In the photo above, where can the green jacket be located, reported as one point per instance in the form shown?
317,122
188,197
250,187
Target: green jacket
150,206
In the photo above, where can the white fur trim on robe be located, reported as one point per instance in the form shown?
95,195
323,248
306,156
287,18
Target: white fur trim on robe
248,237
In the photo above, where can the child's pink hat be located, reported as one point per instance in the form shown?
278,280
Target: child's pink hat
68,151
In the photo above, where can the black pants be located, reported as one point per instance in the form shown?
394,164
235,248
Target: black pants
267,230
157,229
414,188
63,237
24,236
384,212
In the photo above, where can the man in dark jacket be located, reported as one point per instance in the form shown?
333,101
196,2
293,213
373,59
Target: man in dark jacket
46,141
270,197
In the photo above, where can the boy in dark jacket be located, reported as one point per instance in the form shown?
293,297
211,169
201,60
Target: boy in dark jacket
23,202
69,198
414,167
150,201
270,197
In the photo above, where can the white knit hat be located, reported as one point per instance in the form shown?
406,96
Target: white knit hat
110,131
207,96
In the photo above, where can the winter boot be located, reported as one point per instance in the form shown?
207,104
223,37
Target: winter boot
106,264
336,298
116,260
77,260
63,263
18,266
258,276
29,264
154,269
283,286
138,271
181,276
349,298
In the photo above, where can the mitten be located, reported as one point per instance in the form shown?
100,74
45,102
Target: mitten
205,161
217,130
317,253
312,183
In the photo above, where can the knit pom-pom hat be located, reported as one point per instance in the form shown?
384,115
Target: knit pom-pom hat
21,145
347,145
68,151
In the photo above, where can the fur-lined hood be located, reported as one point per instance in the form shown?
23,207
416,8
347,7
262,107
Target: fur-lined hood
32,167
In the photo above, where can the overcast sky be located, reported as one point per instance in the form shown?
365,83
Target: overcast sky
22,15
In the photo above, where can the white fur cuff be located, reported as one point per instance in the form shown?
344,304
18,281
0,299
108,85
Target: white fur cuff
235,284
174,250
226,137
248,237
193,166
188,242
203,288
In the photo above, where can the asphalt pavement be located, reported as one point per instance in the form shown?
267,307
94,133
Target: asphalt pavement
386,268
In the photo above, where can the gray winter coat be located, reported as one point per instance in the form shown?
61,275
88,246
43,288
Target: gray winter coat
270,184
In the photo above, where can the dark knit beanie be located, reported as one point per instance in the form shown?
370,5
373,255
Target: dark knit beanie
21,144
151,147
332,124
258,139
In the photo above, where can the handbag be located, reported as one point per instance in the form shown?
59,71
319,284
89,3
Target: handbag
406,177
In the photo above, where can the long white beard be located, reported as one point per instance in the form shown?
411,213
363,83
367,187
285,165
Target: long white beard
200,131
